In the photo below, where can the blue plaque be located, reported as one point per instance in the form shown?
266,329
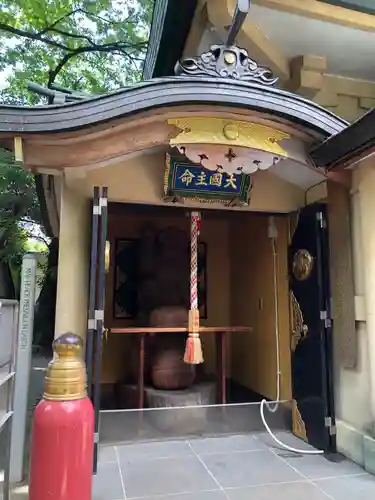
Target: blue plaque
184,179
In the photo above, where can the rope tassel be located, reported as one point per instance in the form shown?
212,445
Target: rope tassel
193,350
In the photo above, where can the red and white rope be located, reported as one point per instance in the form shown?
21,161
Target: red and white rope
195,224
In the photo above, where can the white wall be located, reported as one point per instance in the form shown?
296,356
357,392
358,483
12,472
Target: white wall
355,388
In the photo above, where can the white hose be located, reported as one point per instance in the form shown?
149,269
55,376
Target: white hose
273,407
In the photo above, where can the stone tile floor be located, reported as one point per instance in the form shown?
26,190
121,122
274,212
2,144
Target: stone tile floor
237,467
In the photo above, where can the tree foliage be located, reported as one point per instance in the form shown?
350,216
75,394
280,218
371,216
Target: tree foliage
19,211
19,207
83,45
94,46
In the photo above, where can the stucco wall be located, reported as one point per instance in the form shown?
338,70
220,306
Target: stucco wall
253,304
353,385
354,388
140,180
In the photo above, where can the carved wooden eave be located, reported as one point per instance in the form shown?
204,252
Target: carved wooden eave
123,122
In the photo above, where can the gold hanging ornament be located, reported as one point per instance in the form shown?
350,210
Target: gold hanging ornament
303,264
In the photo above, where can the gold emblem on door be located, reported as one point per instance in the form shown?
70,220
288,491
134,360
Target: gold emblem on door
303,264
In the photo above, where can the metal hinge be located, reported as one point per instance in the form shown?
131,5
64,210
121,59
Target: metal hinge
324,317
97,208
96,438
92,323
321,219
330,426
99,315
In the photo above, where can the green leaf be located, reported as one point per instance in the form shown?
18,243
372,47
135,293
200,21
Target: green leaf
50,30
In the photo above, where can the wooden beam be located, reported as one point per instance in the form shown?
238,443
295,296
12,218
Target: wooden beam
349,86
198,27
18,149
307,73
320,11
251,38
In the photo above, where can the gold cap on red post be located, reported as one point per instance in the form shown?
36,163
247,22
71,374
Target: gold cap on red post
66,378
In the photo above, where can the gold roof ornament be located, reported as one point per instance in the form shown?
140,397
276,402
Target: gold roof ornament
229,145
205,130
66,378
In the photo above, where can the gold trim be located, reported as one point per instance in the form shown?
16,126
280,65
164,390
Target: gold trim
228,203
18,149
166,173
303,264
298,327
214,201
298,331
202,130
66,378
299,428
107,256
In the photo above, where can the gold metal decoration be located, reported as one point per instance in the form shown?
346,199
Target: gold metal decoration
299,428
66,378
202,130
166,173
231,131
105,335
107,258
303,263
299,329
229,57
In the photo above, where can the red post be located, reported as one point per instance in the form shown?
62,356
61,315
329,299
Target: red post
63,430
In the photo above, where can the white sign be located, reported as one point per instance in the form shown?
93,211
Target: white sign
23,366
27,302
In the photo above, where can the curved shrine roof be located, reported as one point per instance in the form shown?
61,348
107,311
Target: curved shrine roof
169,91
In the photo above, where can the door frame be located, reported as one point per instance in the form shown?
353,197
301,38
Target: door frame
95,321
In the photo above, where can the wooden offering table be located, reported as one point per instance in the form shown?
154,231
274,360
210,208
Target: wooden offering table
221,352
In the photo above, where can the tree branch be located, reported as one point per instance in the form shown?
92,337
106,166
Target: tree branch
40,38
52,74
110,47
120,48
72,35
49,28
33,36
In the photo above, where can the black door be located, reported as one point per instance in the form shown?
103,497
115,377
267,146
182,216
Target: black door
312,358
95,327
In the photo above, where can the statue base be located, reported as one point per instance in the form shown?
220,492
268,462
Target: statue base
185,411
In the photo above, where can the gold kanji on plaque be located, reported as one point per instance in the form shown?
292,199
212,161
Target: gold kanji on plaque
187,177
